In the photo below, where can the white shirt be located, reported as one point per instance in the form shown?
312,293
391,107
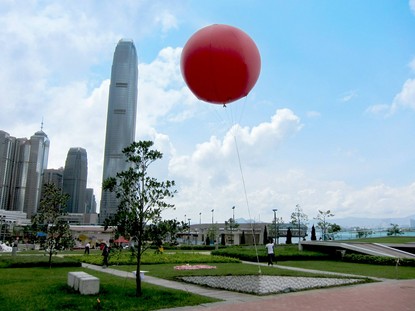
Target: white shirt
270,248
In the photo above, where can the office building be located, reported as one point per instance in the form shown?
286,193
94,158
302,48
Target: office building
22,164
75,178
121,118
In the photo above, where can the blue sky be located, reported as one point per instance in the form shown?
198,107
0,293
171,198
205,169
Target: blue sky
329,124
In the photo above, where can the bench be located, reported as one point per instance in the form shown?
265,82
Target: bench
83,282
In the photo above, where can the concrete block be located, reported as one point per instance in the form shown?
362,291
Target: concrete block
88,285
72,276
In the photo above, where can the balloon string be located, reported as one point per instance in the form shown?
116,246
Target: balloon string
247,204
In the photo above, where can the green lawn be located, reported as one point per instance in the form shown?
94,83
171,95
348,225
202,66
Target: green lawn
387,272
46,289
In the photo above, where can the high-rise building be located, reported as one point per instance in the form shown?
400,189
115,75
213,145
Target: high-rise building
38,162
74,179
54,176
22,164
121,118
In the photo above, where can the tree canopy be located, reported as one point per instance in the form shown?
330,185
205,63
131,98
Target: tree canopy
50,220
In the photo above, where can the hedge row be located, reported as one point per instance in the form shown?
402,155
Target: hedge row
37,261
281,254
125,258
379,260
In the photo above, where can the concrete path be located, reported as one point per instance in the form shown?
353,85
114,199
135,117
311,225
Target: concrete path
380,296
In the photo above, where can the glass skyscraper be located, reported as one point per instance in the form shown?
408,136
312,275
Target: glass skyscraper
121,118
75,178
22,164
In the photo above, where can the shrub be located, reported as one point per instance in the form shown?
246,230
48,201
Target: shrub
378,260
282,253
148,258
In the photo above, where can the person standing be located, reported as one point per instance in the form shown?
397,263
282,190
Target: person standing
270,251
15,246
105,254
87,247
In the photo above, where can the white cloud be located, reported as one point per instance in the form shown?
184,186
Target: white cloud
406,97
412,6
346,97
403,100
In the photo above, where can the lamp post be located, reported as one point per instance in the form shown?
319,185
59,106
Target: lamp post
275,224
212,216
299,225
200,218
189,231
233,222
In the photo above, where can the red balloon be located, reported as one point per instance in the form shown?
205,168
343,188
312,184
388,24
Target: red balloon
220,64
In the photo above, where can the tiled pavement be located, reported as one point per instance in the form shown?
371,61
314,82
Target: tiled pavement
387,295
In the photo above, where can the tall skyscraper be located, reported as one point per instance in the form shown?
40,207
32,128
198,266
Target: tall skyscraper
22,163
74,179
38,162
121,118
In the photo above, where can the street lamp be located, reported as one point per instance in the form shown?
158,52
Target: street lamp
212,215
275,224
299,225
189,231
233,222
200,218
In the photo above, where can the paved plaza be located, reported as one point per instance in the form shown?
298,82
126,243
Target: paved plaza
384,295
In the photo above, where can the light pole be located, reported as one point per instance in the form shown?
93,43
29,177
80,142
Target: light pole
275,224
212,216
299,225
200,218
189,231
233,222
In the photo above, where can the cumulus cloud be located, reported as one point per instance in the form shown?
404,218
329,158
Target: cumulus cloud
412,5
405,99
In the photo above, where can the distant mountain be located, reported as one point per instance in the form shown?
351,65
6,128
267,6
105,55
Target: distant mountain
349,222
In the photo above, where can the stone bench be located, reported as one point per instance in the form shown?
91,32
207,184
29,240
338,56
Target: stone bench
83,282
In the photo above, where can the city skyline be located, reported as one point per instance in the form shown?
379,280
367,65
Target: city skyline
328,125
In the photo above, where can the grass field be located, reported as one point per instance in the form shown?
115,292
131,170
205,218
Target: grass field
46,289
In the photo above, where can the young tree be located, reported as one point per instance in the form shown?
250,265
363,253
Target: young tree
323,224
141,201
49,219
298,218
231,225
274,228
394,230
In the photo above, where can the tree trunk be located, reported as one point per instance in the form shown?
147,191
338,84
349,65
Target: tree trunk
138,291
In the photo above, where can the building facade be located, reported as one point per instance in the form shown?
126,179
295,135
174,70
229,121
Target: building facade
121,118
75,177
22,164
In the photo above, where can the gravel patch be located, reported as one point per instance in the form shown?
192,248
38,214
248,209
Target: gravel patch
266,284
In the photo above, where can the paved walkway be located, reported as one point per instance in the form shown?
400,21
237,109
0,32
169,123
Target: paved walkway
380,296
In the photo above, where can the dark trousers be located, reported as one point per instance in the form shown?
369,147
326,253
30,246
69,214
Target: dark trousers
270,257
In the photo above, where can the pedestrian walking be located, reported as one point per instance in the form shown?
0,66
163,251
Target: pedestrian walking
270,251
87,247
